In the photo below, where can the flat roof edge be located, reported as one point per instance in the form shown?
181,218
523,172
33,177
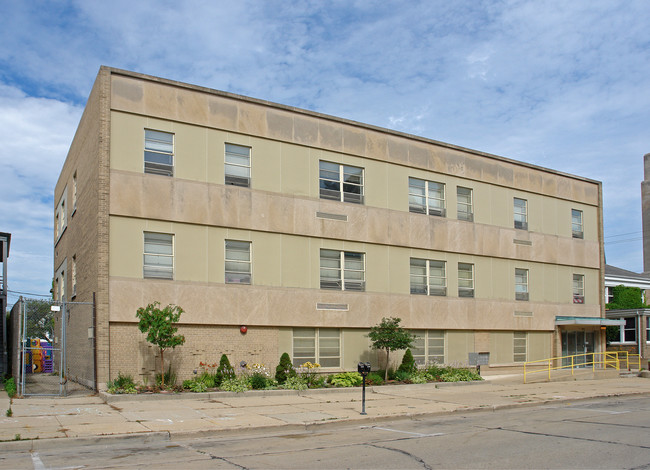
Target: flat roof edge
271,104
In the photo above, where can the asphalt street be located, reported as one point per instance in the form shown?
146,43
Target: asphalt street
600,433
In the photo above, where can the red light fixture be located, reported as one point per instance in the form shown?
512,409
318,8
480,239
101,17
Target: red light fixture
243,329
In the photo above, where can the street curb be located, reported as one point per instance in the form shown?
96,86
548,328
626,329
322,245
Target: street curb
28,445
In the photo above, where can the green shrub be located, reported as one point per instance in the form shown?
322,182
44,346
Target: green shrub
208,379
235,384
197,386
224,371
402,376
121,384
459,375
408,363
258,382
419,377
284,369
10,387
347,379
295,383
169,376
374,378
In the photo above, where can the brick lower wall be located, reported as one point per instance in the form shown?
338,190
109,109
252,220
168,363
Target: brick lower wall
130,353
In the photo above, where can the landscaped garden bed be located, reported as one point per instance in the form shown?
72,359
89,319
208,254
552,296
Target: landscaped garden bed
224,377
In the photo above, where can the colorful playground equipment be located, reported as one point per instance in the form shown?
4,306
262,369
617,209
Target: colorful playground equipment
38,359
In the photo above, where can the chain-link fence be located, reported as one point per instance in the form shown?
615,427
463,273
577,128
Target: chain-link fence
57,350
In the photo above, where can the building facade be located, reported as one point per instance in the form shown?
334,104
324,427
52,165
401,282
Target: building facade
307,229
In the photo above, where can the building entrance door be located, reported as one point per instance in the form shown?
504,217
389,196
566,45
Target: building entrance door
578,344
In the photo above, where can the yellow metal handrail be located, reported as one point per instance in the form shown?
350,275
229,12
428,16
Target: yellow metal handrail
604,360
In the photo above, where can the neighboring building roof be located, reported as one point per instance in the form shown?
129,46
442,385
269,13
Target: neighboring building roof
5,237
615,276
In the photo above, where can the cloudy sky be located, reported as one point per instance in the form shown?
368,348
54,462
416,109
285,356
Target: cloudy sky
561,84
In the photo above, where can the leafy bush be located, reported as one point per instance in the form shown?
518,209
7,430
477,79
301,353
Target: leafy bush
459,375
284,369
402,376
391,373
347,379
10,387
224,371
295,383
169,379
419,377
121,384
374,378
237,384
258,381
309,373
195,385
408,363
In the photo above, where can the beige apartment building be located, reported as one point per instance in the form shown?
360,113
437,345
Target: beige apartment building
307,229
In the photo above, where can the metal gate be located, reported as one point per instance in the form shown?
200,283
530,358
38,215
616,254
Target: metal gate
57,348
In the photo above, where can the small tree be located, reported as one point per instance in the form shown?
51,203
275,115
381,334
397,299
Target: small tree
284,369
225,370
389,336
158,324
408,362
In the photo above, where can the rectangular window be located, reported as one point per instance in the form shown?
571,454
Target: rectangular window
647,329
521,213
578,289
74,191
428,347
428,277
465,280
521,284
609,294
238,262
317,345
520,340
426,197
342,270
74,275
60,282
464,203
238,165
629,331
158,255
340,182
60,216
576,224
158,153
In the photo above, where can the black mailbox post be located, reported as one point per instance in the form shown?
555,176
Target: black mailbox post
364,369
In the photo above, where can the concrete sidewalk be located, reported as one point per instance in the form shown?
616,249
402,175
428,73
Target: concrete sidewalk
41,422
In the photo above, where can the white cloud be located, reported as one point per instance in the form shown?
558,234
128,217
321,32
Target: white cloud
559,84
36,134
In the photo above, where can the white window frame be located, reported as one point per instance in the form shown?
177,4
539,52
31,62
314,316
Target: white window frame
339,270
322,350
74,193
578,288
609,294
238,256
74,276
156,151
429,347
157,270
60,283
521,284
468,290
60,216
577,227
427,197
237,165
520,346
429,275
465,204
520,207
341,177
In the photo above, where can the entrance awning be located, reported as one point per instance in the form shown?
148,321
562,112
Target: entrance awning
594,321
